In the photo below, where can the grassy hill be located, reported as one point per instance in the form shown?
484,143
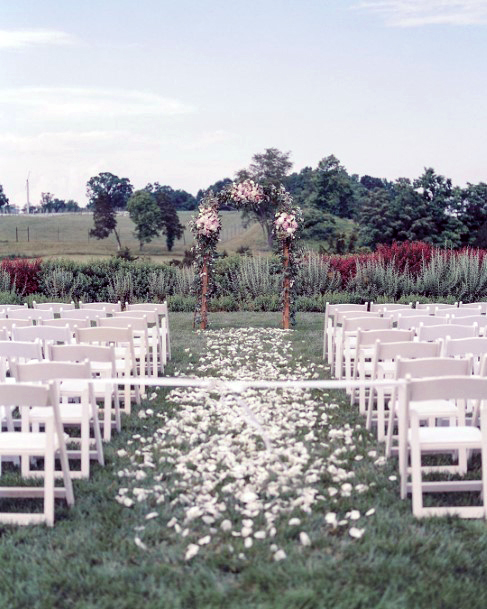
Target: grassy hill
67,235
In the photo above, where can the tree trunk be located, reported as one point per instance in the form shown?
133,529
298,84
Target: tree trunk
204,294
286,287
119,243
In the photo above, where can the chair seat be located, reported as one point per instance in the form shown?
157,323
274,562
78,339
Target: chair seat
444,437
432,408
17,442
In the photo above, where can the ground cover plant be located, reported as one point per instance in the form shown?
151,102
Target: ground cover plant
145,530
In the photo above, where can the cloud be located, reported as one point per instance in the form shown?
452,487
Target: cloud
17,39
414,13
65,102
207,139
69,141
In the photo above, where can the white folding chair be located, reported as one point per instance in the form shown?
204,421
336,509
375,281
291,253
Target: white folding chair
428,411
7,324
436,306
103,365
365,345
346,340
388,307
123,341
26,444
466,312
156,340
83,415
383,367
461,347
162,310
439,440
330,325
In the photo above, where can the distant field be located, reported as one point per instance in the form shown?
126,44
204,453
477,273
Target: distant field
67,235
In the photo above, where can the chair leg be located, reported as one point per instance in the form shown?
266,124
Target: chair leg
49,486
416,479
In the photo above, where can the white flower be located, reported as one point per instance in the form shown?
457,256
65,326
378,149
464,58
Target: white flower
370,512
279,555
226,525
140,544
356,533
204,540
191,551
304,539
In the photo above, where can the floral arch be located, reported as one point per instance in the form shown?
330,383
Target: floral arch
206,227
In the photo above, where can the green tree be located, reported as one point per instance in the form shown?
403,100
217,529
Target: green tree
268,169
3,198
473,214
335,193
146,215
107,193
169,219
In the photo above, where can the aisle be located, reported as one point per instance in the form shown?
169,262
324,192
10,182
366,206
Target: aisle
244,471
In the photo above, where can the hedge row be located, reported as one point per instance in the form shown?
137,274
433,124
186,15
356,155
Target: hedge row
406,272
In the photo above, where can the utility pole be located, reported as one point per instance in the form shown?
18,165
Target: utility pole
27,189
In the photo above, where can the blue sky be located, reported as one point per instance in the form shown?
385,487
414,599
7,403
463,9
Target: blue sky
185,92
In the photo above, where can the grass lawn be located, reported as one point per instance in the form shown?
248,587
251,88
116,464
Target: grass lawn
90,558
67,236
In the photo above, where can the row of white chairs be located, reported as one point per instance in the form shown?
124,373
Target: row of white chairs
52,385
425,358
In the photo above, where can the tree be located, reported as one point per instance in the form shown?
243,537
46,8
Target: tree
146,215
335,193
269,170
50,204
107,193
216,188
473,214
3,198
169,219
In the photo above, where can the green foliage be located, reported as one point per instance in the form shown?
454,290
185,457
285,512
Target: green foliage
146,215
169,219
9,297
374,279
269,170
107,193
3,198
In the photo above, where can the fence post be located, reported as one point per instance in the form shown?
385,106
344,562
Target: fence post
28,235
16,234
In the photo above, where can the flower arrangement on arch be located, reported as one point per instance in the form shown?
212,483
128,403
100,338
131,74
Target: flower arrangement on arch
207,222
246,193
286,225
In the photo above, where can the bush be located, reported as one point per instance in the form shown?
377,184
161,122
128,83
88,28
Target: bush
24,274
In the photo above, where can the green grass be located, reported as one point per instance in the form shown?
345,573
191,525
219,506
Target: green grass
66,236
89,559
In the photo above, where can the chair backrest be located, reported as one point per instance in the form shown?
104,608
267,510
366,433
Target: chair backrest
474,305
4,333
417,320
466,320
6,325
427,333
331,310
66,322
475,346
340,316
151,316
432,366
30,314
109,307
436,305
366,323
413,312
376,307
25,394
138,324
53,306
4,307
31,372
406,350
105,335
83,352
47,334
457,387
21,350
89,314
162,309
369,337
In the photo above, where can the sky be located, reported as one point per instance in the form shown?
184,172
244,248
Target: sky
185,92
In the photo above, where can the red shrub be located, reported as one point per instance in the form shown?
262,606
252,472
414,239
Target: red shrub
407,254
25,274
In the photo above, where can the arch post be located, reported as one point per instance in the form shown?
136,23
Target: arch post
286,300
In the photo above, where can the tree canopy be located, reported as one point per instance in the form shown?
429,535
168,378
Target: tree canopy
107,193
3,198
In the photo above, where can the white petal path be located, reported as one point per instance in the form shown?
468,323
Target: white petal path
242,465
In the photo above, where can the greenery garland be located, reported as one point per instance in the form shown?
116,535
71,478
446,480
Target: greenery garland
206,228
